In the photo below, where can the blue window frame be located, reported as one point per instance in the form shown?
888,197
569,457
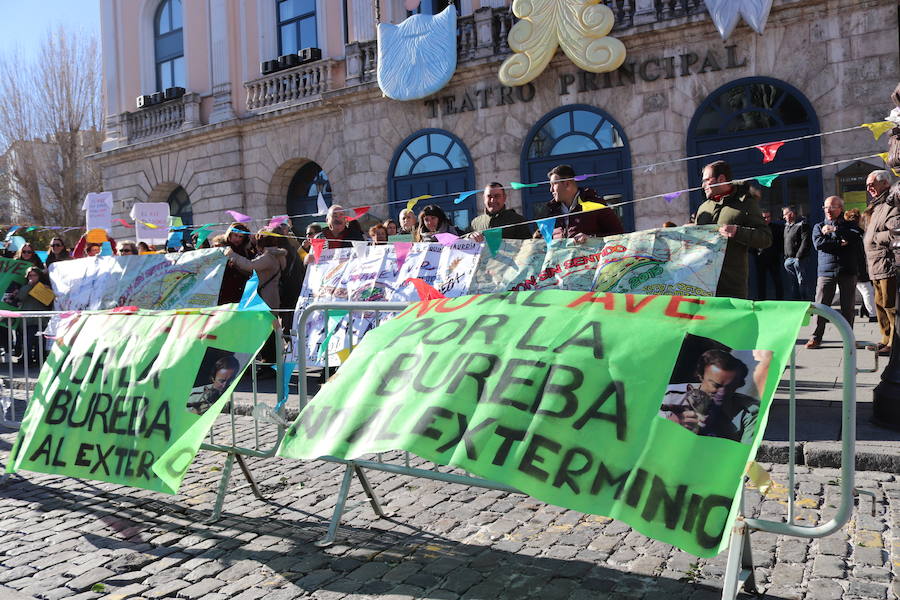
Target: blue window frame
296,25
436,163
168,38
589,140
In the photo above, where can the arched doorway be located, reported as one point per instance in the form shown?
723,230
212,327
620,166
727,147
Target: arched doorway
434,162
590,141
753,111
180,206
302,195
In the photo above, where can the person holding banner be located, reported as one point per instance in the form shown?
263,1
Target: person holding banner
579,212
432,221
237,241
57,251
732,206
31,299
497,215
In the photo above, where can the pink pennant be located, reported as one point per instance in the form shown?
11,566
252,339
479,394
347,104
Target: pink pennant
425,291
583,177
239,217
359,212
446,239
318,244
276,221
769,150
401,250
125,223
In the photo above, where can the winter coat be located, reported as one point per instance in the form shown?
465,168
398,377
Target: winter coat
597,223
797,239
883,216
268,266
506,216
737,208
835,257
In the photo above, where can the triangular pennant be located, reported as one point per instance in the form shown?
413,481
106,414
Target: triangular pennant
150,225
318,244
583,177
32,228
358,212
766,180
276,221
202,234
672,195
463,196
401,250
11,231
446,239
518,186
175,221
251,300
884,157
425,291
413,201
545,226
879,128
239,217
321,207
106,249
589,206
493,238
769,150
125,223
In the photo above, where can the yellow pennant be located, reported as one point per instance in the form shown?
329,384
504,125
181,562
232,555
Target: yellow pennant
592,206
412,202
879,127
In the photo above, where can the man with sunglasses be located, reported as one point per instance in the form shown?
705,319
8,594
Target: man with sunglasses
731,205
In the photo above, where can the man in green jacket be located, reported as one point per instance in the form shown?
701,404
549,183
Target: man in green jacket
497,215
730,205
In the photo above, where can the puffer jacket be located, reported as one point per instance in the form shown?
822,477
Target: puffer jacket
883,216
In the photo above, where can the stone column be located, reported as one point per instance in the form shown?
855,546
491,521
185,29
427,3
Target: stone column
484,31
191,111
219,56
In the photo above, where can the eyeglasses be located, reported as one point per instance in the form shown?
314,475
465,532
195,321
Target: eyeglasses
27,252
126,251
56,245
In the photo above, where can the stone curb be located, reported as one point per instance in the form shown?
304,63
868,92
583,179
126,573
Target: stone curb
870,456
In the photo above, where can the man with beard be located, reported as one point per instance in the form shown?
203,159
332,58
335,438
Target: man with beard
497,215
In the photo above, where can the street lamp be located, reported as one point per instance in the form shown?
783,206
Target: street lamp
886,395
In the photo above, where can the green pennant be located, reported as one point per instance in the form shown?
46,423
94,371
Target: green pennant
518,186
493,237
766,180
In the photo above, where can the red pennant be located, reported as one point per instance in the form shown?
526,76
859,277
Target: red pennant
318,244
769,150
425,291
359,212
127,310
125,223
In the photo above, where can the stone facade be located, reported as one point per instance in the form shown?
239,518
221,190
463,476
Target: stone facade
841,55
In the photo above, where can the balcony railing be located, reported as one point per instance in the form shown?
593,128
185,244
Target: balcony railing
484,33
297,85
163,119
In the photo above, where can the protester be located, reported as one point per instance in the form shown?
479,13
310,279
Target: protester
881,216
57,251
27,253
836,243
378,234
29,303
92,249
127,248
293,274
391,226
731,206
432,221
797,245
408,222
312,230
144,247
769,261
573,221
863,283
497,215
237,244
339,232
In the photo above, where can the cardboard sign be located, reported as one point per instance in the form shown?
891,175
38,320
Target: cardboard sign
151,222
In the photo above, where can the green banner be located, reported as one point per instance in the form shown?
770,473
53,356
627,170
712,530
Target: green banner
641,408
119,389
12,278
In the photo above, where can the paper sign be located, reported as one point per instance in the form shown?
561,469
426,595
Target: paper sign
42,294
156,214
97,209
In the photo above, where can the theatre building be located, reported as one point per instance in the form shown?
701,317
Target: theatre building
221,126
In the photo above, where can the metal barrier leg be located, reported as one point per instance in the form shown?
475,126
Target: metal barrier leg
223,488
373,498
338,508
739,570
248,476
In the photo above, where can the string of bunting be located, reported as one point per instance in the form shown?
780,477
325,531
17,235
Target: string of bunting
768,151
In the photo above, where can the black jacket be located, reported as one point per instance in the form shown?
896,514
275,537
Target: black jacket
797,240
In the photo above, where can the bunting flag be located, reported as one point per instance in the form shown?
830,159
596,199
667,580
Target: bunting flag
321,207
583,177
124,223
493,238
425,291
672,195
884,157
106,249
401,251
766,180
588,206
446,239
879,128
518,186
463,196
318,244
358,212
149,225
239,217
202,234
12,230
32,228
276,221
769,150
175,221
545,226
413,201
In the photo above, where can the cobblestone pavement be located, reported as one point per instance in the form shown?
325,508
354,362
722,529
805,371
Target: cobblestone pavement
67,538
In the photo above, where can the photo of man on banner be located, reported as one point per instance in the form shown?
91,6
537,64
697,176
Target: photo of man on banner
710,393
215,374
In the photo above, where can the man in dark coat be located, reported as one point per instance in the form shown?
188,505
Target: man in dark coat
497,215
577,219
769,260
797,244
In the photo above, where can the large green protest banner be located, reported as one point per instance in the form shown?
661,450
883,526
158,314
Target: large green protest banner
12,278
121,388
642,408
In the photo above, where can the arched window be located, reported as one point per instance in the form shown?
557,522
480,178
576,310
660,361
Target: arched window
592,143
303,192
180,206
432,7
296,25
169,45
436,163
755,111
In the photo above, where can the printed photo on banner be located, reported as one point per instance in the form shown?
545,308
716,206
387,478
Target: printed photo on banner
715,390
217,370
11,294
